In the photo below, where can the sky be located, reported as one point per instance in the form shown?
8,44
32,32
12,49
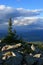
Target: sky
23,12
28,4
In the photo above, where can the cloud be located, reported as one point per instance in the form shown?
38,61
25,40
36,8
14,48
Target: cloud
28,21
7,12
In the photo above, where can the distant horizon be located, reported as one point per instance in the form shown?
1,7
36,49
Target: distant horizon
25,14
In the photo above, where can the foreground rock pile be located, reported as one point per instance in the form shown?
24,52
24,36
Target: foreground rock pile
14,55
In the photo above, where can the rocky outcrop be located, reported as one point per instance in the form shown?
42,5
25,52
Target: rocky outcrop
40,62
8,55
1,61
11,58
30,60
33,47
16,55
37,55
7,47
14,60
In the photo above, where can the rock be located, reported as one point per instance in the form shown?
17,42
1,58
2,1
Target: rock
17,45
14,60
1,61
30,60
32,47
35,49
37,55
31,54
40,62
7,47
7,55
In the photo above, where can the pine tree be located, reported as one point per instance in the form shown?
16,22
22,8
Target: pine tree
10,27
12,36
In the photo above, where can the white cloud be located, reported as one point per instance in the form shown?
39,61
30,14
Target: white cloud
7,12
27,20
20,16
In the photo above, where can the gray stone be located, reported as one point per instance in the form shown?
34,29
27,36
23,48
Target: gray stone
7,47
1,61
40,62
32,47
14,60
30,60
37,55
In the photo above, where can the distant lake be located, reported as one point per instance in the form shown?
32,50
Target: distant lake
28,35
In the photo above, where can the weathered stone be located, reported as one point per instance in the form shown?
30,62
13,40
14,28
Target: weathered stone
31,54
14,60
37,55
40,62
7,47
35,49
32,47
1,61
30,60
7,55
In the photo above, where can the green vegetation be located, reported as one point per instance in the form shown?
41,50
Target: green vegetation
40,46
12,36
27,48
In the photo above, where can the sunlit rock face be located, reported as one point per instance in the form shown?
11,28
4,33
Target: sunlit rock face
37,55
33,47
7,47
16,57
8,55
12,58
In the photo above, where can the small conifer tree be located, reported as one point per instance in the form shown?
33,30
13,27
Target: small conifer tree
12,37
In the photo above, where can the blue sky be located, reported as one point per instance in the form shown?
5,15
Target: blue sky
28,4
23,11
